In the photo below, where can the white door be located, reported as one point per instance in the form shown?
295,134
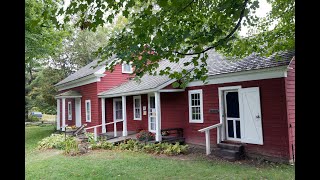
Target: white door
78,111
251,121
152,114
232,115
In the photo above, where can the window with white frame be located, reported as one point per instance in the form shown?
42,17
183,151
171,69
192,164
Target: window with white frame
69,111
195,106
136,107
126,68
117,109
88,110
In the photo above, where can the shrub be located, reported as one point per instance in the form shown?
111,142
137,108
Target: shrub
58,141
145,135
102,145
175,149
33,118
53,141
70,146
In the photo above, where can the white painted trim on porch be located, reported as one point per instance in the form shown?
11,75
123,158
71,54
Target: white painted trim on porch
267,73
67,97
103,114
124,116
158,116
58,114
221,131
63,114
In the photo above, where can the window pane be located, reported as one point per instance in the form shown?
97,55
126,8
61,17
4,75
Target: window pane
232,104
230,129
238,134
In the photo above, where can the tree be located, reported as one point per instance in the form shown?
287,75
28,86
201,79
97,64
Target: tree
41,40
175,29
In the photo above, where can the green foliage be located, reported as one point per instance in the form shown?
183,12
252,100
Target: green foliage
176,149
175,29
145,135
33,118
55,141
60,141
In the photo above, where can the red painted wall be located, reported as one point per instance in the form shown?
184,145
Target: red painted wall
273,109
290,98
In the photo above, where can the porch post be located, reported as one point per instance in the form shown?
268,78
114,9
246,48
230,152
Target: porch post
103,114
158,116
58,114
124,116
78,111
63,114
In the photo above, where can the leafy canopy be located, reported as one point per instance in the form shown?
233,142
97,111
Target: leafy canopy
172,29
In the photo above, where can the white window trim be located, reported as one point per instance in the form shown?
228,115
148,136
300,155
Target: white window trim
114,109
201,106
134,108
127,72
88,101
69,110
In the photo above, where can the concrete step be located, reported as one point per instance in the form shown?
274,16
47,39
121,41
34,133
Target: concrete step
228,154
235,147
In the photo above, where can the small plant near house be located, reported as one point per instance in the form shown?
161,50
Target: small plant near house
59,141
145,135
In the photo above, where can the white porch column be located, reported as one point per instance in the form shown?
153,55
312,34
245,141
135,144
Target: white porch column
158,116
63,113
124,116
103,114
78,111
58,114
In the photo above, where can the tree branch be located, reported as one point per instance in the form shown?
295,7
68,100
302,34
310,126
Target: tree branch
223,39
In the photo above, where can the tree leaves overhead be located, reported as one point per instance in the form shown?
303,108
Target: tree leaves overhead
172,29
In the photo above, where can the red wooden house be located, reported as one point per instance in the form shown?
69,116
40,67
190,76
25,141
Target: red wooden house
249,102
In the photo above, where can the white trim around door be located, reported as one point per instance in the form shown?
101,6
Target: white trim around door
151,113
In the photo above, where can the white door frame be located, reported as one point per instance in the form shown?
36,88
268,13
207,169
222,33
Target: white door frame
231,118
222,131
149,127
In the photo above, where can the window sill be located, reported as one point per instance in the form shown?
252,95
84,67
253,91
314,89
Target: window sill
195,121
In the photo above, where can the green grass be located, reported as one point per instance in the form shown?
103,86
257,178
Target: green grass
103,164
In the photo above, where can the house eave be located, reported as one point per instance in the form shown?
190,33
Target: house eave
81,81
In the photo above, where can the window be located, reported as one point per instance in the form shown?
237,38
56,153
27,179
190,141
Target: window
126,68
88,111
117,109
136,107
195,106
69,111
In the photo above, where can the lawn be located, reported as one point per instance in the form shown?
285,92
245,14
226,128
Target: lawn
107,164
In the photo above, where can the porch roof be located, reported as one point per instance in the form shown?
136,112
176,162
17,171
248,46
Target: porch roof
69,94
217,65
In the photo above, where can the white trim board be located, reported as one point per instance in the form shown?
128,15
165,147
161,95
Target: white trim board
80,82
267,73
146,91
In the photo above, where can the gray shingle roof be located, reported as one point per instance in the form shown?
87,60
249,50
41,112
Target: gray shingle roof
217,64
70,93
84,71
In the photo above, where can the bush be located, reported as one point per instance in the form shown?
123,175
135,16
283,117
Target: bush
59,141
145,135
102,145
175,149
53,141
33,118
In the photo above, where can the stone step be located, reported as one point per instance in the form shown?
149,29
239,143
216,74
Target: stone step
231,155
235,147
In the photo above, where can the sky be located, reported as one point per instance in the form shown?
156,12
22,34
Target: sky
262,11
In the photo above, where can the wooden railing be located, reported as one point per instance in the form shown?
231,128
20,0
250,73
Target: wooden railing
207,131
95,132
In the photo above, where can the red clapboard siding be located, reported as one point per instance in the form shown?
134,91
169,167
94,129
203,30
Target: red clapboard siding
174,107
290,98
